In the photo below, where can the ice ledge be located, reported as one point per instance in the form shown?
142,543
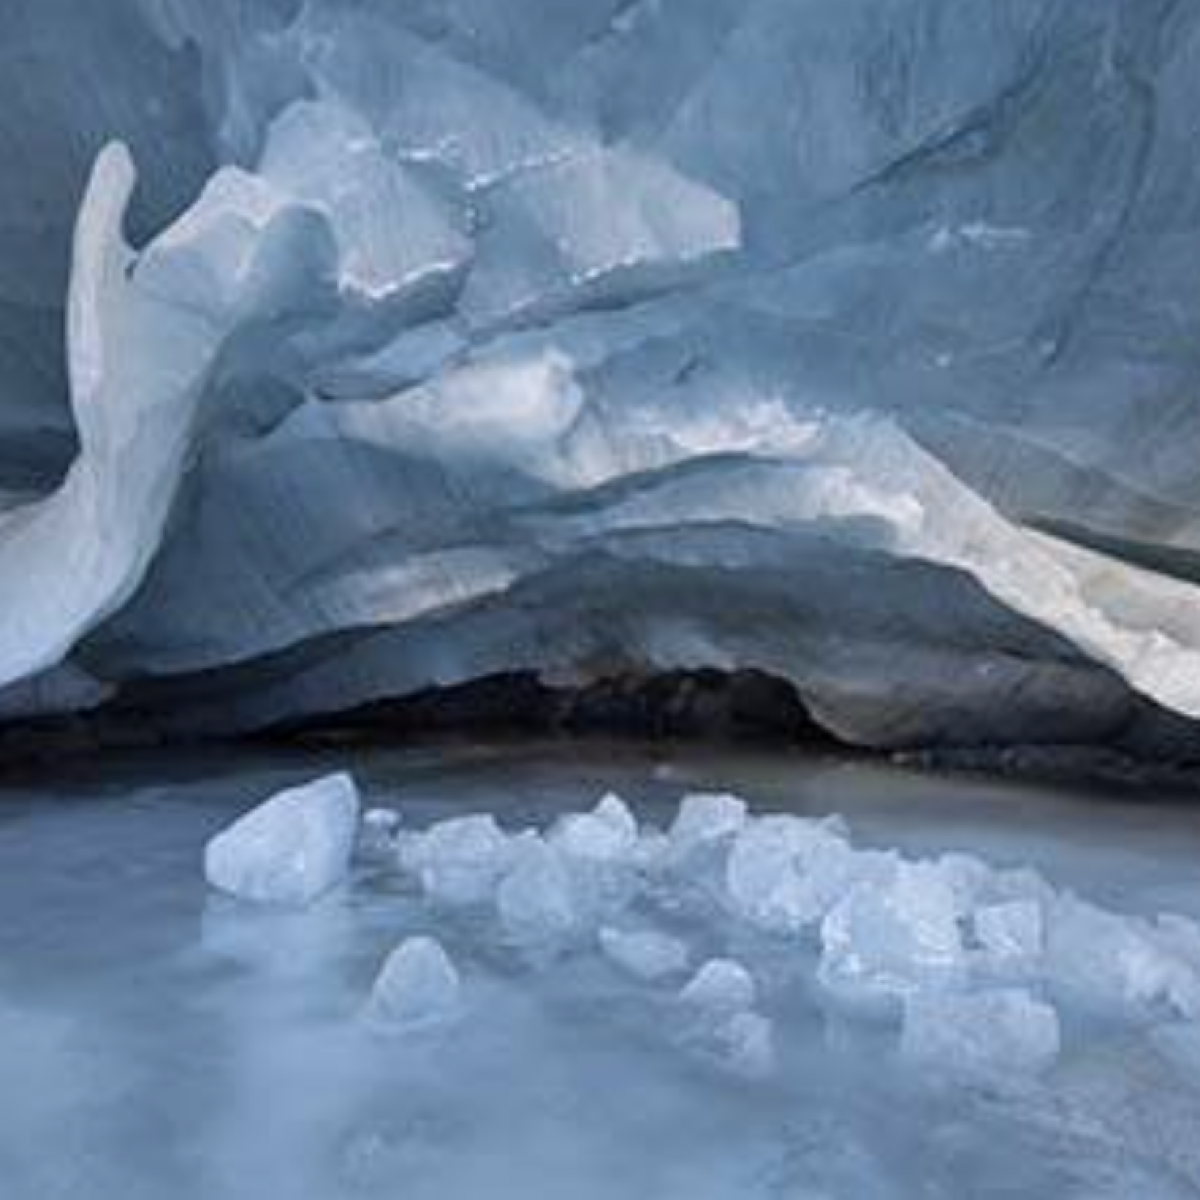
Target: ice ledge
801,370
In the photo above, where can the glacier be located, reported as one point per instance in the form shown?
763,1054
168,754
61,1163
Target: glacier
848,341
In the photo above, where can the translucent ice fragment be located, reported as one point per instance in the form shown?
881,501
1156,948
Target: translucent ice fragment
1115,963
291,849
607,834
1011,935
598,852
783,874
969,877
612,810
645,954
536,902
461,861
704,816
720,986
418,987
652,851
890,939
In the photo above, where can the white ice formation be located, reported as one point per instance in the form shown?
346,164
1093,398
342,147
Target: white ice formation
846,340
982,974
644,953
292,848
418,988
721,985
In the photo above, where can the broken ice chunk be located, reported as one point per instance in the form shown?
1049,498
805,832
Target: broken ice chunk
985,1036
292,848
700,835
687,867
720,986
968,877
646,954
535,900
616,813
598,853
608,833
418,987
1010,935
783,874
460,861
885,940
652,849
1115,963
762,875
706,817
722,1025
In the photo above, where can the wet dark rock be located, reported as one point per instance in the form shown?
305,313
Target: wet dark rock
703,703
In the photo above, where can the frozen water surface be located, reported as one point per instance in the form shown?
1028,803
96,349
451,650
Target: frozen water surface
1037,950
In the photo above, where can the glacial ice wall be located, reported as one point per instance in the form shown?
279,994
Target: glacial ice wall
855,341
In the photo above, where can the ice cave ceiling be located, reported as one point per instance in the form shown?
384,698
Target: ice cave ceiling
403,343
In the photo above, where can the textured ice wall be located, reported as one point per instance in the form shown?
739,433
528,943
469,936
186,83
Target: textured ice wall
853,340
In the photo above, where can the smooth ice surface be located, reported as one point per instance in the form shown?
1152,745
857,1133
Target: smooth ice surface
290,849
158,1039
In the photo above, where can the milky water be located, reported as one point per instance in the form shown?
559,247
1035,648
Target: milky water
160,1041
